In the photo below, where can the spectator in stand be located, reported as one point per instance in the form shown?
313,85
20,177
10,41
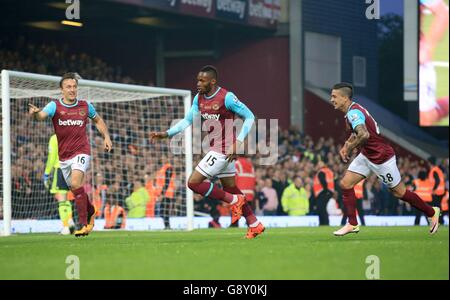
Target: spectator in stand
280,183
270,208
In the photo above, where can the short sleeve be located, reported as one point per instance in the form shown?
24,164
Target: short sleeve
356,117
232,103
50,109
92,113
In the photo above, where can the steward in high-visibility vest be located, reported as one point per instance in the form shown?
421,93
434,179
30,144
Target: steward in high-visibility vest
165,181
324,178
323,189
295,198
115,216
165,185
444,203
99,195
423,187
137,201
153,194
437,180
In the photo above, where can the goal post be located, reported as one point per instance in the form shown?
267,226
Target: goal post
131,112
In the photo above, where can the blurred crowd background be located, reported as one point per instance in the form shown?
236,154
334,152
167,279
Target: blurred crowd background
121,176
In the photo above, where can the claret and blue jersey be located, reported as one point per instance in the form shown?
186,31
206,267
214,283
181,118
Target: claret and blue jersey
70,123
376,149
50,108
214,110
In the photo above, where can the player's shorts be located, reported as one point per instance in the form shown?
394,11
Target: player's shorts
427,88
59,185
214,164
80,162
387,171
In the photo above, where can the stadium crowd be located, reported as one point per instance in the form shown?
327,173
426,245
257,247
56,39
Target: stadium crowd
21,54
128,177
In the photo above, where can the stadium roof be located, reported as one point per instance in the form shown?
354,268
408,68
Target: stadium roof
111,18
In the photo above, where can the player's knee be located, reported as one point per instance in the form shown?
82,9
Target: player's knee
192,185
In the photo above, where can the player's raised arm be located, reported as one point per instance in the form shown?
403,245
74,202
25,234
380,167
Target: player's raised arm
180,126
37,113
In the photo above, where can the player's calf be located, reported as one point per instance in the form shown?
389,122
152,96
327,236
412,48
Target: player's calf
236,208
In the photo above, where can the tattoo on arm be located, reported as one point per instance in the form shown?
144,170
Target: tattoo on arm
351,138
362,135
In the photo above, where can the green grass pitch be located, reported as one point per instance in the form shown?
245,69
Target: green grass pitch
280,253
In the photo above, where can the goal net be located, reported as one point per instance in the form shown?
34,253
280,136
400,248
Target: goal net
131,113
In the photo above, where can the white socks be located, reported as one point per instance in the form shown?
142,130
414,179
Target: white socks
254,224
235,199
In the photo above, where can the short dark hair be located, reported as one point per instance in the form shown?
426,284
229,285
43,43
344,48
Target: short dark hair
297,176
345,87
422,175
211,70
69,75
432,160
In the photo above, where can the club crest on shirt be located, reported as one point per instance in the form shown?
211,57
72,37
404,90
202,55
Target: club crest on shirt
82,113
354,117
215,106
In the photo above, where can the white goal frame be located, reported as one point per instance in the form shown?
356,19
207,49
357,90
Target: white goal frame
6,132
